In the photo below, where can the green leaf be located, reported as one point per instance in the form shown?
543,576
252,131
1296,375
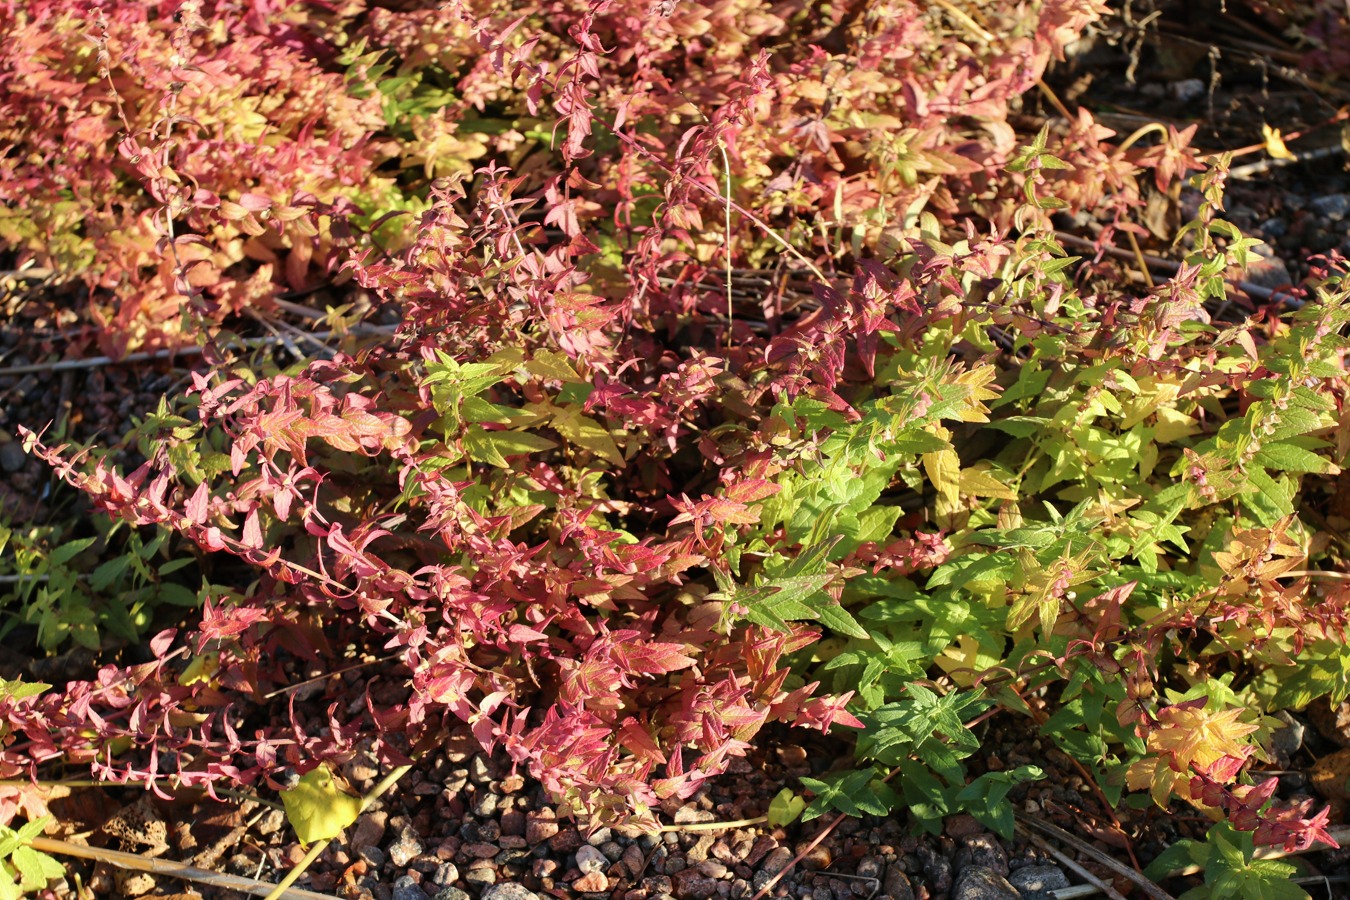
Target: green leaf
785,808
317,809
1287,456
21,690
855,793
176,595
35,868
985,798
494,447
587,433
69,550
1185,852
798,595
9,890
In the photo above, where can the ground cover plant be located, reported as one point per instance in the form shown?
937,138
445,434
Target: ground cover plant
741,376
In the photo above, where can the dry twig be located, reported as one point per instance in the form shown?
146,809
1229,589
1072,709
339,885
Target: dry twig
173,870
1059,834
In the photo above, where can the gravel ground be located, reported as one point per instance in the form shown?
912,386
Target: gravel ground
465,826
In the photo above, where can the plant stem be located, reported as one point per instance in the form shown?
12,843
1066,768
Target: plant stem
714,826
172,869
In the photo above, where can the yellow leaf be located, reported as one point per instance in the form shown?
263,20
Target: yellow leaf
553,366
977,481
317,808
1275,144
944,472
202,668
1174,425
965,661
977,382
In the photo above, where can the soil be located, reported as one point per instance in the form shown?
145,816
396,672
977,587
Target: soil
463,825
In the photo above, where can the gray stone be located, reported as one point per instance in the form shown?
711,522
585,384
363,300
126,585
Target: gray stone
1038,878
1333,206
937,870
896,884
1274,228
1187,89
1286,741
1266,269
590,859
446,874
484,876
374,856
981,850
691,885
451,893
407,889
12,457
713,869
979,883
509,890
776,861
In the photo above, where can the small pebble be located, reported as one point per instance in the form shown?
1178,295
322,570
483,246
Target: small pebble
979,883
1333,206
403,850
509,891
776,861
540,827
590,859
713,869
896,885
694,886
369,830
407,889
633,860
1038,878
565,841
446,873
481,850
482,876
591,883
12,457
981,850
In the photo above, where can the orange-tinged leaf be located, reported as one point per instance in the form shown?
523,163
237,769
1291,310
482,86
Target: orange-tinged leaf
1192,736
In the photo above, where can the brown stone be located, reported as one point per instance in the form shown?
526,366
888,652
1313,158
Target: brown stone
540,827
593,883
